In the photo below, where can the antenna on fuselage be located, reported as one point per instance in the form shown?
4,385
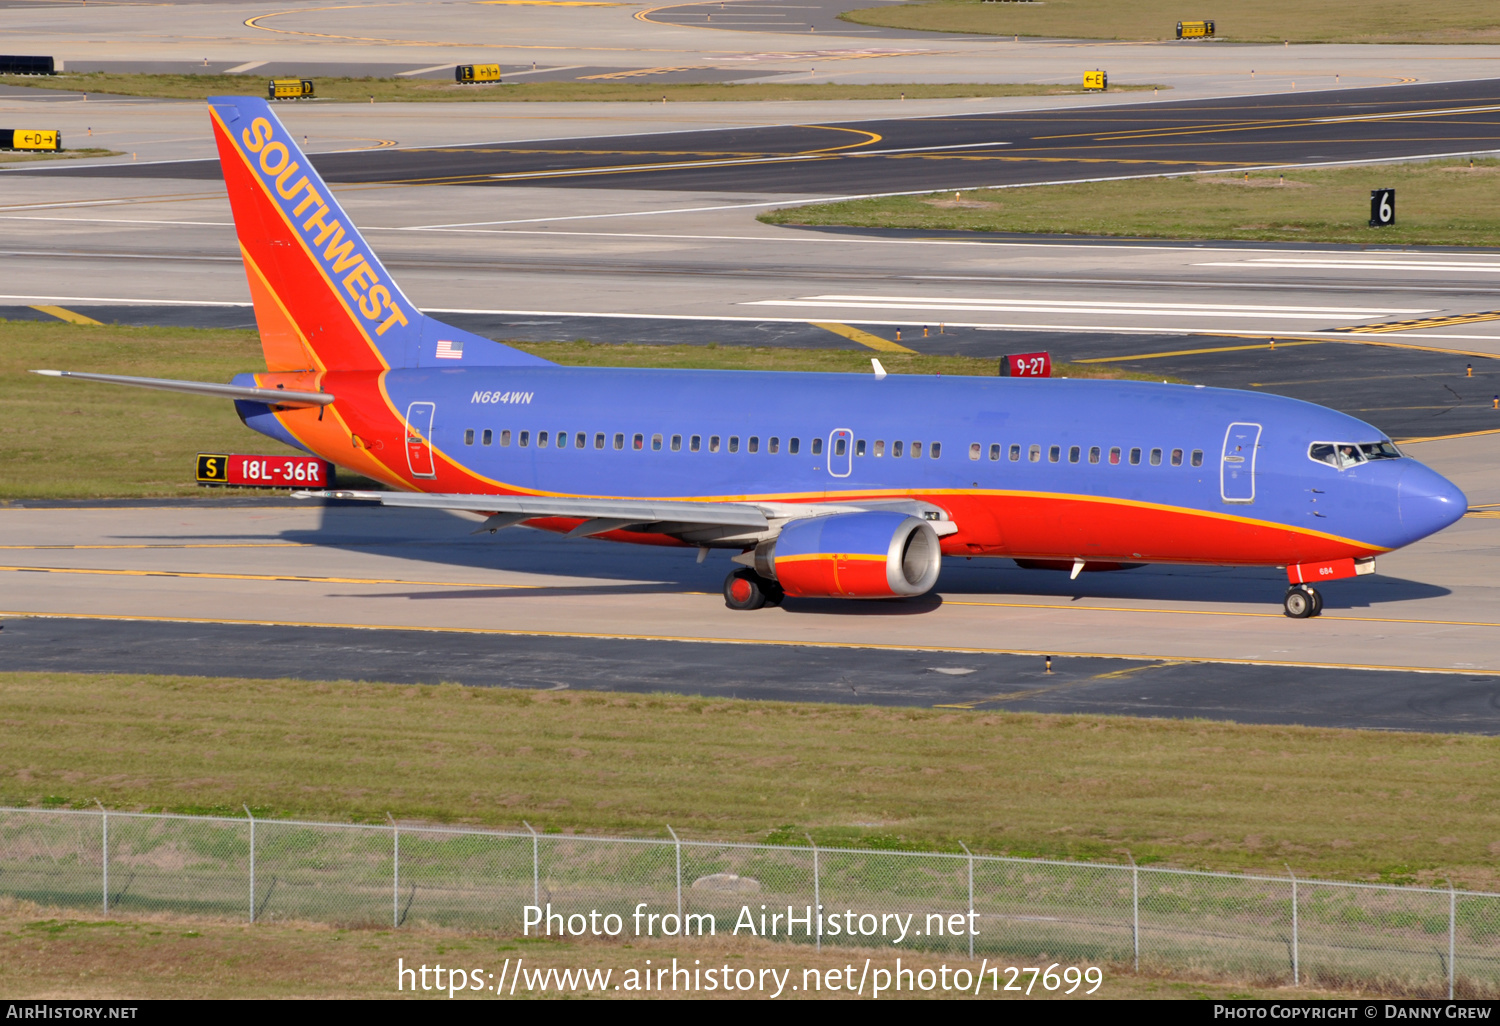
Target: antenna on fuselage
879,370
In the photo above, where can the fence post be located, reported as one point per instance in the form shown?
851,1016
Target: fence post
536,867
817,896
1296,956
1452,934
677,843
1135,910
395,873
252,861
969,853
105,852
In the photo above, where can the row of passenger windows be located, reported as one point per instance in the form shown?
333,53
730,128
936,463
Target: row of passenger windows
773,444
1096,454
580,440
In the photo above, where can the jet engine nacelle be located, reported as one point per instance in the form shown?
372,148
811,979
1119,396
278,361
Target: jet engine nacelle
875,554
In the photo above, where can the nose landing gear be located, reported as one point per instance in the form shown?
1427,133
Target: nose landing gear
1302,601
746,589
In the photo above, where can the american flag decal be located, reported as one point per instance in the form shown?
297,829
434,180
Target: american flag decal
450,350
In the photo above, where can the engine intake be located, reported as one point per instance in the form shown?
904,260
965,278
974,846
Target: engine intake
853,555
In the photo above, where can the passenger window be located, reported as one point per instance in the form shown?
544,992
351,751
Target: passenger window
525,438
859,447
695,443
713,443
638,442
468,436
676,443
656,443
916,450
1074,453
775,444
581,440
1054,454
734,443
1114,455
487,438
879,447
1176,457
1135,457
1093,454
896,450
541,439
754,444
975,449
995,452
619,440
505,437
935,450
1035,455
1197,457
792,444
1156,457
1015,453
817,447
599,440
840,446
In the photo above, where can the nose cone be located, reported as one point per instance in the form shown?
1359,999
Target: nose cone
1428,501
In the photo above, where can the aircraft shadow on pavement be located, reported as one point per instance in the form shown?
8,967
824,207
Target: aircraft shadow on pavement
436,537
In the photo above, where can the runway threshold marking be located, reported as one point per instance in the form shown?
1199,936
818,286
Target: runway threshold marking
295,579
66,315
864,338
780,643
1424,322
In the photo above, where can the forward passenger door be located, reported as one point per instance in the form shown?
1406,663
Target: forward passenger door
1237,463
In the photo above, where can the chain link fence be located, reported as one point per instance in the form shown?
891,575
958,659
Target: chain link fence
1405,941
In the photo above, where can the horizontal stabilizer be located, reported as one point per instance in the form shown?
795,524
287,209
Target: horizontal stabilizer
269,396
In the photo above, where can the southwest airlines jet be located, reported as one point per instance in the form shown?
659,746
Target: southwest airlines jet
832,485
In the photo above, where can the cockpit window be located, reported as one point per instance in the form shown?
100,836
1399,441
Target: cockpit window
1382,450
1350,454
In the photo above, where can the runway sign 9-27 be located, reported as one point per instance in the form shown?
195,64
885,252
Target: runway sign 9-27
1382,207
264,471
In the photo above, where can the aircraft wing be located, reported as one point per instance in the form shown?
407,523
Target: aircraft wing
600,515
733,519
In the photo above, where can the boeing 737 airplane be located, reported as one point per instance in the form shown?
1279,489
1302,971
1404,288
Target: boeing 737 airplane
832,485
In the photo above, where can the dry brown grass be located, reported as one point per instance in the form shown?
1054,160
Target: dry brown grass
1243,21
426,90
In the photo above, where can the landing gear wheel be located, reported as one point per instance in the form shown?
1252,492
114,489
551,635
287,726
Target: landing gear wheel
1317,597
1300,603
746,589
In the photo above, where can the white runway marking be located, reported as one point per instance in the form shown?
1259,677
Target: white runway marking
1087,307
1356,264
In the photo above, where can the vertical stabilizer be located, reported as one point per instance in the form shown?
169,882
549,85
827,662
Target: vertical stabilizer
323,302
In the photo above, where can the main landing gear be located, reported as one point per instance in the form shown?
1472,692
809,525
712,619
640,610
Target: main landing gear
1302,601
746,589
